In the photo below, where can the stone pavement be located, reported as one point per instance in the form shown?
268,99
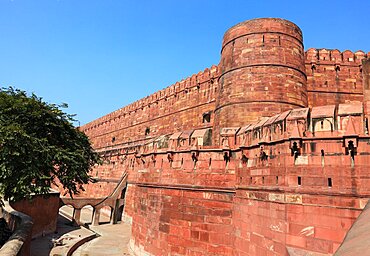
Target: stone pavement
42,246
112,240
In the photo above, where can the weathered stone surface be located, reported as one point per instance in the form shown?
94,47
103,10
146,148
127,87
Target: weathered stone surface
280,177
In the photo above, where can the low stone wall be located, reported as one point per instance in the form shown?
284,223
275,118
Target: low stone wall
21,225
43,209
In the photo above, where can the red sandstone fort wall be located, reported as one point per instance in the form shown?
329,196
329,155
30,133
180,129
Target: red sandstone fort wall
333,77
176,108
184,210
291,183
175,210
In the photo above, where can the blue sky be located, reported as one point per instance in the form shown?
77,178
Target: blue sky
100,55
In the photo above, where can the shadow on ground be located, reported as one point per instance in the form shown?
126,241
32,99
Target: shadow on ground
42,246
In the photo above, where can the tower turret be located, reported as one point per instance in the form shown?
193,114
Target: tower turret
262,72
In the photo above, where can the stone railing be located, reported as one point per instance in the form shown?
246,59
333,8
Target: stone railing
21,226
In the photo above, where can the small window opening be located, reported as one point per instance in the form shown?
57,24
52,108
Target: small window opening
182,161
322,158
250,180
322,124
207,117
352,152
263,180
226,157
113,139
299,180
313,68
330,184
277,180
147,131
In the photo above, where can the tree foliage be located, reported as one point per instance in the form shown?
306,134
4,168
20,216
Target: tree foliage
39,145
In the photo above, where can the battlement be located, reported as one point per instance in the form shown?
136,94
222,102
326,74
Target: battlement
335,57
195,81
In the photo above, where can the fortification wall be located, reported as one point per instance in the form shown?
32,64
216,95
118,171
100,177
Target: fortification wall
275,181
178,107
334,77
289,182
257,207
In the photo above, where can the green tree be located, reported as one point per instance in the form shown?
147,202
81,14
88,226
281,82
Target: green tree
39,145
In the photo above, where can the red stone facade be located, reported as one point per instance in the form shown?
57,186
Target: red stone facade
266,153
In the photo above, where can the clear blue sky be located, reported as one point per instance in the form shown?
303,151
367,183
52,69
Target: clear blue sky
100,55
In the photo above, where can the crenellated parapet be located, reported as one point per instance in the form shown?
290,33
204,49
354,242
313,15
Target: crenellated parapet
209,76
335,57
334,77
162,112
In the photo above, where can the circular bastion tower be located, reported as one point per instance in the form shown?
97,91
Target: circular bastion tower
262,72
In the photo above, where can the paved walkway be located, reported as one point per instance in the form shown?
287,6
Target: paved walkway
112,240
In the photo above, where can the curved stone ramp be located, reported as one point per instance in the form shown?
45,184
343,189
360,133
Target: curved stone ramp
68,243
357,240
